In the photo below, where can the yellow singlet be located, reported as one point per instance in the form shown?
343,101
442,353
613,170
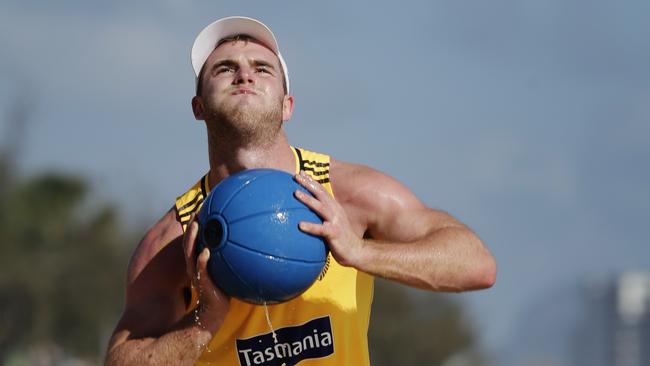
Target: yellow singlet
326,325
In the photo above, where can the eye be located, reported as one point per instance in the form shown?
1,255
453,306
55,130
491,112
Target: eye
224,68
263,69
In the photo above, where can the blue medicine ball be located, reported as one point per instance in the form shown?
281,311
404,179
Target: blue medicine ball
249,222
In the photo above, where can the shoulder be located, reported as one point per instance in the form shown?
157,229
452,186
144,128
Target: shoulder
369,193
354,182
157,245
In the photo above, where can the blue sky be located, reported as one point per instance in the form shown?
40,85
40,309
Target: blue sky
528,120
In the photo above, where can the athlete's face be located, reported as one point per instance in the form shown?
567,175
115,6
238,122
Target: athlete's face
243,77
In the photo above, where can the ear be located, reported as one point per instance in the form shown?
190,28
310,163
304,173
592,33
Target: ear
287,108
197,108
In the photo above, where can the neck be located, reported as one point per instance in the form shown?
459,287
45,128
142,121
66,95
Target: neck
227,159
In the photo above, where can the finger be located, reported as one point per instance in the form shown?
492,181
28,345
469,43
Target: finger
313,229
189,241
312,186
204,280
314,204
202,265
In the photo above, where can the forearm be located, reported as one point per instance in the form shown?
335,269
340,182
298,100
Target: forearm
181,346
449,259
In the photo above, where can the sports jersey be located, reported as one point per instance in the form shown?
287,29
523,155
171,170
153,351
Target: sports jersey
326,325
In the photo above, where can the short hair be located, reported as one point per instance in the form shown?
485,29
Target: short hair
235,38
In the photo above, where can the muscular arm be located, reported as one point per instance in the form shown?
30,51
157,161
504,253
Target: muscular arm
378,226
154,328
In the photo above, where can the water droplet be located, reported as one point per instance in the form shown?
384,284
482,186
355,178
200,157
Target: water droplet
268,320
281,216
197,321
200,346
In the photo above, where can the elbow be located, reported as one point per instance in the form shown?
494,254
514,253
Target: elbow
480,267
477,277
480,270
479,274
486,275
489,279
484,268
115,355
112,359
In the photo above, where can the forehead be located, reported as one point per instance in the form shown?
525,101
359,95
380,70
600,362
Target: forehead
246,49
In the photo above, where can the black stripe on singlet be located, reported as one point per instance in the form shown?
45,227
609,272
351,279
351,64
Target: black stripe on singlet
189,213
203,190
316,164
326,171
300,161
312,169
196,201
191,203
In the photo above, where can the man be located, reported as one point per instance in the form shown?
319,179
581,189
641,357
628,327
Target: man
374,226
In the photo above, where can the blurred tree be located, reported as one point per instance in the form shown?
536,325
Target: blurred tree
428,331
62,263
62,267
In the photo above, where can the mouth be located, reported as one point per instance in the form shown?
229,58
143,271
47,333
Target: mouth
243,91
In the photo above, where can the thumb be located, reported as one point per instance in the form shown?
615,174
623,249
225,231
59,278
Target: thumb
204,280
202,266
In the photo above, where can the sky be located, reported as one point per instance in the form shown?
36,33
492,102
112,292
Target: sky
528,120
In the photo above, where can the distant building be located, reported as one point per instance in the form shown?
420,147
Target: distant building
616,327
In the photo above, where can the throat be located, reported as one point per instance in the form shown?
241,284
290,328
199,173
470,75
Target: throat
243,135
227,160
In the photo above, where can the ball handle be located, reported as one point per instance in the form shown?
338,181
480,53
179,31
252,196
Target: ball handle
214,233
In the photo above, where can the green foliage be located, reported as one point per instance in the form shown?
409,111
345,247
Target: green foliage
409,332
62,266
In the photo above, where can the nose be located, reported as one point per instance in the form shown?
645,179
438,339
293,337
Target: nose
244,75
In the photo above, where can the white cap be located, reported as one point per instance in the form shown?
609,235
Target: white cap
206,41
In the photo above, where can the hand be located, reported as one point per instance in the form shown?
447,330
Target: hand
345,245
213,303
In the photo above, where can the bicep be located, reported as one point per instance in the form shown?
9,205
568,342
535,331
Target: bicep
155,282
392,212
